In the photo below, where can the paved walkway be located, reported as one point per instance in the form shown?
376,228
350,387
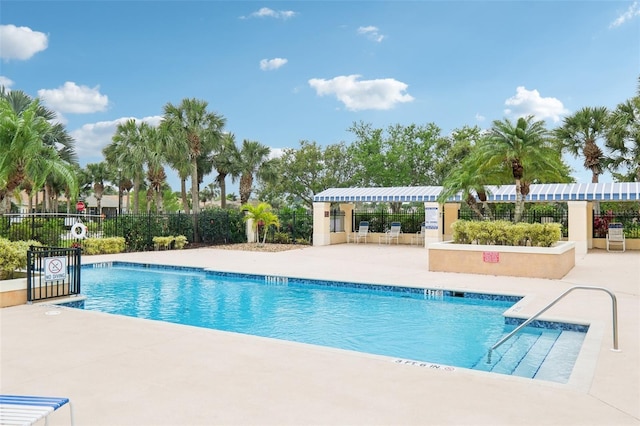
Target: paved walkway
128,371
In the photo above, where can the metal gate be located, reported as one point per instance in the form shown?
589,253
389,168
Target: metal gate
52,272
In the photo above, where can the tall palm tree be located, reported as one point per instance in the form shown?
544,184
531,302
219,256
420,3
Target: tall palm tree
623,139
191,128
579,135
260,215
98,173
127,153
519,150
252,160
155,160
225,161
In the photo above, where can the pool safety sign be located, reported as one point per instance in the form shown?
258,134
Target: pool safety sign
431,218
55,268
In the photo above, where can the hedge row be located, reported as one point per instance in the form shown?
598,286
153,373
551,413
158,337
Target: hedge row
506,233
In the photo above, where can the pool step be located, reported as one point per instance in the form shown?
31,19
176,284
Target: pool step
558,364
545,355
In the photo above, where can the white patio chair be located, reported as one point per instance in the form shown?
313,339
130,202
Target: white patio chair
361,233
391,234
615,235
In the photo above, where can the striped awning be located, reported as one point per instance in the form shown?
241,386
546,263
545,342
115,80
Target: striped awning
626,191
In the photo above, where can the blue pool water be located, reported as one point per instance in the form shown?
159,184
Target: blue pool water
454,329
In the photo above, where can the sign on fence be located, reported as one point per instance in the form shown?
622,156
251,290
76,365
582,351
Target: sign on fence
431,217
55,268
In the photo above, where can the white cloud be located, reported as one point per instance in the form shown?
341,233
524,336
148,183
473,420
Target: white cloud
6,82
75,99
372,33
93,137
529,102
20,42
265,12
361,95
276,152
631,12
272,64
480,117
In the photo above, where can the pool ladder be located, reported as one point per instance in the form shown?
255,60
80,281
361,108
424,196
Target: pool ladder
614,305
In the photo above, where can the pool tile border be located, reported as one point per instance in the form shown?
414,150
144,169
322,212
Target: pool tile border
427,293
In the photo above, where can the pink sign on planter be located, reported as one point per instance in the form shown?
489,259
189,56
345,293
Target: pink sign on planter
491,256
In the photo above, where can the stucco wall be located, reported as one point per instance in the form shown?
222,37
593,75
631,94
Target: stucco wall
532,262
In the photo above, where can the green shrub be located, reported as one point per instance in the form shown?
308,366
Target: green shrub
281,238
13,256
162,243
180,241
103,245
506,233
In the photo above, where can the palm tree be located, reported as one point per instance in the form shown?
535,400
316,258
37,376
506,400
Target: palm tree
466,178
23,151
98,173
209,192
155,160
623,139
579,135
260,215
191,128
519,151
253,160
226,162
127,153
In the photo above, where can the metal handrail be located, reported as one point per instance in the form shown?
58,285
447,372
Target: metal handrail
614,303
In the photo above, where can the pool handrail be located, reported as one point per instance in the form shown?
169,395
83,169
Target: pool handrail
614,304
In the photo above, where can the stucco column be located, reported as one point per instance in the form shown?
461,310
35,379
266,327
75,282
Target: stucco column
347,208
433,222
579,225
321,224
450,216
251,236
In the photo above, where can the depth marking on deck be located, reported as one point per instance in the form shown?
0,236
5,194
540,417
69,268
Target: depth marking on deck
424,364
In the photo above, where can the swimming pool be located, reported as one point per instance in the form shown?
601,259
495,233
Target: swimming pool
423,326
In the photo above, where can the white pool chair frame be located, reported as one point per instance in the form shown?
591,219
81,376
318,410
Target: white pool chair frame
392,234
615,235
361,233
27,410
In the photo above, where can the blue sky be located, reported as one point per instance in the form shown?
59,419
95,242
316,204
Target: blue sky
281,72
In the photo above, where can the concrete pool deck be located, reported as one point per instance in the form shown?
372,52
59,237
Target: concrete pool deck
127,371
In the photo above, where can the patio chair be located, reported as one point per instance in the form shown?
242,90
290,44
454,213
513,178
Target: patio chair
361,233
615,235
26,410
418,238
393,233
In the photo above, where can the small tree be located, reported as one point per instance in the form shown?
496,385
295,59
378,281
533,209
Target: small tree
260,215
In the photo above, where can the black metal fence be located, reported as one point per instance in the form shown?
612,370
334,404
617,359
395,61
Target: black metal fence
296,227
630,223
52,272
550,214
215,226
380,220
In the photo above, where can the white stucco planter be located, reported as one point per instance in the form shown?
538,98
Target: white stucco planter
533,262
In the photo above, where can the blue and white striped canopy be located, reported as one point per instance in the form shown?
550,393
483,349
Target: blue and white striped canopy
626,191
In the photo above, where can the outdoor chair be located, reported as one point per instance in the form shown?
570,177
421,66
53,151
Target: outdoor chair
26,410
418,238
615,235
361,233
393,233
